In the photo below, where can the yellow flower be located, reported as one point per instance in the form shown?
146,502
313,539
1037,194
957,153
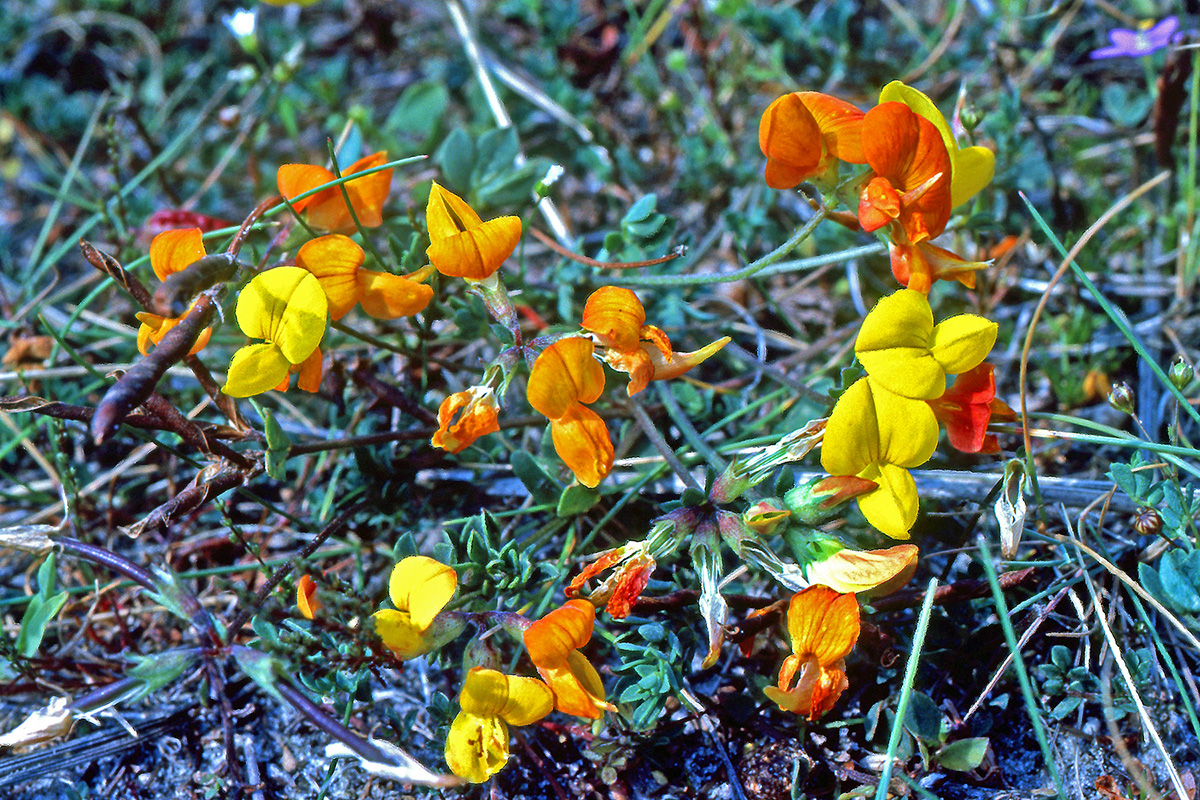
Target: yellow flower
336,261
564,377
878,436
553,643
823,626
971,168
461,244
465,416
286,307
326,210
617,320
904,352
170,252
419,588
477,745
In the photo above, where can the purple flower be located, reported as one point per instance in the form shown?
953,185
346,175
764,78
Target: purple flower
1130,44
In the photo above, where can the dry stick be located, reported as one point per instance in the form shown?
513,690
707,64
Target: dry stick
1113,210
191,497
190,432
591,262
145,421
660,444
109,266
239,238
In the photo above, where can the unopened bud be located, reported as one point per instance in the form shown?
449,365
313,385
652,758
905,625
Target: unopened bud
1181,374
814,501
1121,398
765,517
1147,522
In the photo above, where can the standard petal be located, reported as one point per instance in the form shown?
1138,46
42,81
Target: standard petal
892,508
851,440
172,251
335,261
255,369
388,296
447,214
306,597
790,138
477,252
902,319
370,192
582,442
564,375
823,623
962,343
616,316
553,637
287,306
974,168
908,429
296,179
840,124
422,587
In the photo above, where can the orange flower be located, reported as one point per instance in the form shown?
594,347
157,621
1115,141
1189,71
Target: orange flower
171,252
634,565
553,643
336,261
823,626
461,244
306,597
308,374
967,407
564,377
478,418
616,319
326,210
804,134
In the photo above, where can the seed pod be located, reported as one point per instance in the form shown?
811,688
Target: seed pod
172,296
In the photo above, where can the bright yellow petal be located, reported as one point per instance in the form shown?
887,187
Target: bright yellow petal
564,375
173,251
893,346
851,439
582,442
335,261
528,701
962,343
892,508
476,747
907,428
255,369
681,362
422,587
400,634
974,168
287,306
387,296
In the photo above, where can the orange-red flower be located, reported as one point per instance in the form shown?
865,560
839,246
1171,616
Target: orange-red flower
461,244
804,135
171,252
967,408
823,626
616,319
337,261
326,210
564,377
306,597
634,565
553,643
465,416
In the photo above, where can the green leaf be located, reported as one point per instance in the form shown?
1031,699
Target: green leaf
278,445
497,150
1179,572
924,718
420,109
576,499
641,210
456,157
963,755
38,614
1122,476
1068,705
157,670
1061,657
529,472
260,668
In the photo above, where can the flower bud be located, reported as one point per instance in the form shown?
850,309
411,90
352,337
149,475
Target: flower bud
1147,522
1181,374
813,501
1122,398
765,517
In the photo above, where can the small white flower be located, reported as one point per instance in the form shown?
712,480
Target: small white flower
241,23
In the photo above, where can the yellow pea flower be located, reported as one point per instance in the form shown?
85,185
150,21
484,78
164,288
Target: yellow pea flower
336,261
904,352
461,244
617,320
553,643
878,436
563,378
170,252
823,626
326,210
465,416
972,168
477,744
286,307
419,588
878,572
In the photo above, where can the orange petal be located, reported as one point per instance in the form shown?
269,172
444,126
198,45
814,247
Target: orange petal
172,251
553,637
370,192
823,623
790,138
616,316
577,687
461,244
306,597
564,375
310,372
582,442
335,261
840,124
666,368
296,179
388,296
478,419
907,150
